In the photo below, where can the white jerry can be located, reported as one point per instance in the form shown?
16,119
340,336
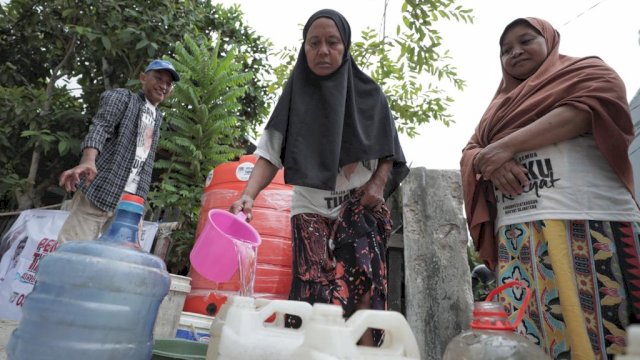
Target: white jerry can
241,330
633,344
329,337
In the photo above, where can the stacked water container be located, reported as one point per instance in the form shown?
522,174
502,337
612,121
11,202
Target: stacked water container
241,332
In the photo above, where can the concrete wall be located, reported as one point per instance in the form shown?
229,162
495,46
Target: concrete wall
438,295
634,149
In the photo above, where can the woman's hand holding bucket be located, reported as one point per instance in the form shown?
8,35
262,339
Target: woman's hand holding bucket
245,205
261,175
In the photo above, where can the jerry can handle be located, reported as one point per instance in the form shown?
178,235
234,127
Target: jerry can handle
298,308
398,339
525,303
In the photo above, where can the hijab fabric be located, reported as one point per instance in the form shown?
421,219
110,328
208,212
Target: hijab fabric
586,83
331,121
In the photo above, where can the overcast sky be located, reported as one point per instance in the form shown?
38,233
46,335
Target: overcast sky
608,29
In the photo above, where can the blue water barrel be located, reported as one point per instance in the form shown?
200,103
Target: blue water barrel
94,300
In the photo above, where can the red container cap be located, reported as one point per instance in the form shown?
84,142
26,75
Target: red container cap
133,198
491,320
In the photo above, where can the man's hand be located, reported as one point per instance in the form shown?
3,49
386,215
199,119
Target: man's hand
70,179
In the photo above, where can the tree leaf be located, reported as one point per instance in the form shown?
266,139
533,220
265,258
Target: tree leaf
142,43
106,42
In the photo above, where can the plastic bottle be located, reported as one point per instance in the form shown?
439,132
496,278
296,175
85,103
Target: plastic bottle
241,330
633,344
492,336
94,300
329,337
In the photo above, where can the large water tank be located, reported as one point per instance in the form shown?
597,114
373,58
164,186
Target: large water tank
271,218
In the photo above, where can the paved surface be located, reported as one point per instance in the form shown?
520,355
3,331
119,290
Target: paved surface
6,327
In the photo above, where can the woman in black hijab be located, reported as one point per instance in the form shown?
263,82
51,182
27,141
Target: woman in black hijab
333,133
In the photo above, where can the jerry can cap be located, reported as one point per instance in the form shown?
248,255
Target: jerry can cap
486,324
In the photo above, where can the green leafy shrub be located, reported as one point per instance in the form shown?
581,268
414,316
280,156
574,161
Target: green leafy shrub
200,130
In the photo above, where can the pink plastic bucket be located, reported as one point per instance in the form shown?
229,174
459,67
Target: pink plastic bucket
214,254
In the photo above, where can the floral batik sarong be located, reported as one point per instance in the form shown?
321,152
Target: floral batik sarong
585,279
340,260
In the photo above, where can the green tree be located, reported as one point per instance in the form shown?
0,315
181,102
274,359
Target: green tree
31,101
198,132
28,139
100,45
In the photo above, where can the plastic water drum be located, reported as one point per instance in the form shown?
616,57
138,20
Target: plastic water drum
271,218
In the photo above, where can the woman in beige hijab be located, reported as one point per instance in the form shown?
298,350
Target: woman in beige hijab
548,194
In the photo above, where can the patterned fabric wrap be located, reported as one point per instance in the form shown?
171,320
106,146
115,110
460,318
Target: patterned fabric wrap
339,261
585,282
113,133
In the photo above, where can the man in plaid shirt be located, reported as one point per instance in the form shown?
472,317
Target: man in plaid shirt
117,153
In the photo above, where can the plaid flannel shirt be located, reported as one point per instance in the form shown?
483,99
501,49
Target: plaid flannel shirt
113,133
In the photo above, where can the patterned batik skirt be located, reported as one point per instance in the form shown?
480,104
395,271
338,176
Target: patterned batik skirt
338,261
585,280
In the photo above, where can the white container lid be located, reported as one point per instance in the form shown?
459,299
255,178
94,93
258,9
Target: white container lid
198,321
180,283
